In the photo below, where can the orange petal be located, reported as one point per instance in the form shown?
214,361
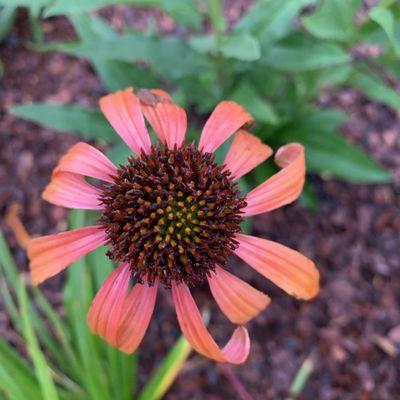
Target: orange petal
136,314
167,119
287,268
86,160
246,152
239,301
283,187
224,121
50,254
70,190
235,351
123,111
106,309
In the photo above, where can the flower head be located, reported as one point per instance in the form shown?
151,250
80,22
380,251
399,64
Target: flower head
172,215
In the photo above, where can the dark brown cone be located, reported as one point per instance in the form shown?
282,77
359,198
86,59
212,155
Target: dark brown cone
172,214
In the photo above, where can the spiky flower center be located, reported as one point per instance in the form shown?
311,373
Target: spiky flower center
172,215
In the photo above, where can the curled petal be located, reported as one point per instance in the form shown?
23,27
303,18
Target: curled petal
136,314
86,160
105,311
167,119
283,187
70,190
123,111
246,152
235,351
224,121
239,301
286,268
50,254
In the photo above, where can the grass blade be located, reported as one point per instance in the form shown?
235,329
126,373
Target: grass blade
42,369
163,378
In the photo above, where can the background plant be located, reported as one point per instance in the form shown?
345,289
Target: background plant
65,360
276,61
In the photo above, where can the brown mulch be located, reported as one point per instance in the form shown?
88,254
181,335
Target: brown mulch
351,331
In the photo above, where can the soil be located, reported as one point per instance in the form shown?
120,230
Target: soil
351,331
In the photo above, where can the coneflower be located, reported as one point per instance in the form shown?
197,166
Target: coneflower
171,216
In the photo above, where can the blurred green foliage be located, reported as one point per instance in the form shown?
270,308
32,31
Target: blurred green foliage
276,61
58,357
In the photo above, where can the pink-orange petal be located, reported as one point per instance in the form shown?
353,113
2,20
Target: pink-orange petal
106,309
286,268
224,121
282,188
246,152
70,190
136,314
50,254
167,119
235,351
86,160
239,301
123,111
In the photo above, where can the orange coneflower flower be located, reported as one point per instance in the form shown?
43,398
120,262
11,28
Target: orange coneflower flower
172,216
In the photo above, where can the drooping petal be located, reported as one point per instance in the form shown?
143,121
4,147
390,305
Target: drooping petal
283,187
123,111
239,301
224,121
246,152
70,190
136,314
286,268
167,119
192,326
86,160
106,309
50,254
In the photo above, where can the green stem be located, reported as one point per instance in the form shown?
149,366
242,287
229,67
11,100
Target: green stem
300,379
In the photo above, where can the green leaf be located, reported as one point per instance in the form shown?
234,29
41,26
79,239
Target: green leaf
166,373
61,7
261,109
333,20
386,20
308,198
329,153
183,12
243,47
305,55
42,369
88,122
16,376
270,20
376,89
7,17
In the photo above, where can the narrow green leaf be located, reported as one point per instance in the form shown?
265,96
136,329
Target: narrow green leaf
333,20
8,264
376,89
61,7
305,56
263,111
329,153
270,20
386,20
166,373
243,47
183,12
7,17
14,371
42,369
88,122
300,379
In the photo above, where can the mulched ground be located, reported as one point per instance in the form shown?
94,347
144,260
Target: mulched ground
351,331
